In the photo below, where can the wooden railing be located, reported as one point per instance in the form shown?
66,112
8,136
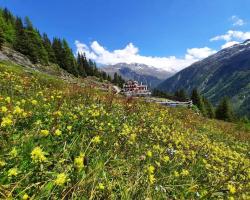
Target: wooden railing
172,103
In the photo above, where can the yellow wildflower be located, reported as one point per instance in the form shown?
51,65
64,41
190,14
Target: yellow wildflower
176,174
38,155
69,128
25,196
101,186
149,154
4,109
6,121
17,110
231,188
151,169
2,163
12,172
24,114
13,153
151,178
7,99
79,161
166,158
185,172
96,139
44,132
34,102
58,132
58,113
61,179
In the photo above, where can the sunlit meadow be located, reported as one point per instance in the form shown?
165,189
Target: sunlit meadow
62,141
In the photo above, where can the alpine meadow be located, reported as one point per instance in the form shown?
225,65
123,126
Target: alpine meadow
85,122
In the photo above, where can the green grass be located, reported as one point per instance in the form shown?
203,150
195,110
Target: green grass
63,141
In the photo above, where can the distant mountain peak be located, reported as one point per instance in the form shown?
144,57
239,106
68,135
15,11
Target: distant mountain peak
146,74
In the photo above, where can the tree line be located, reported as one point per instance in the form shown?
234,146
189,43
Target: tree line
23,37
223,111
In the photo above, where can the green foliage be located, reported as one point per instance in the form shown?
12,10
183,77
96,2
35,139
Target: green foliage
48,47
7,24
198,101
118,80
1,38
20,43
209,109
224,110
81,65
181,94
37,52
64,56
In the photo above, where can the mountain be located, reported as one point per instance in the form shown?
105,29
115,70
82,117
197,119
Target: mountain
149,75
226,73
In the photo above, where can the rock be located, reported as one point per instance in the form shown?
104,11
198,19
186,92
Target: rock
8,54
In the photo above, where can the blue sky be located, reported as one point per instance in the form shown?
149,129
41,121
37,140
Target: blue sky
158,31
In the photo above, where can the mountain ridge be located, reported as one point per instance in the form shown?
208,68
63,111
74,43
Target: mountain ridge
226,73
146,74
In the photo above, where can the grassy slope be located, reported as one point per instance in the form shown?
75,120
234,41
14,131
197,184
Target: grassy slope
91,145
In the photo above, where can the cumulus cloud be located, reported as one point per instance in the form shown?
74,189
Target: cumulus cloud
229,44
237,21
231,38
130,54
199,53
232,35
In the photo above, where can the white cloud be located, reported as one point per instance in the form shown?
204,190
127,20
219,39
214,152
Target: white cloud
229,44
232,35
199,53
130,54
237,21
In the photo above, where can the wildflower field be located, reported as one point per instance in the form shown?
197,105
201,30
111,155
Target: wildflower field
63,141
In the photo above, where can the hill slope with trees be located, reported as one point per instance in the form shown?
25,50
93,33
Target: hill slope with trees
226,73
23,37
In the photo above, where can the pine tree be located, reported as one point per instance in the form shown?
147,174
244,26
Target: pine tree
48,47
20,43
58,50
96,72
210,112
224,110
69,59
28,24
7,24
181,94
1,38
29,42
197,100
109,78
80,65
115,79
86,66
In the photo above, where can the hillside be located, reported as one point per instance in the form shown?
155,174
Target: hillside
226,73
66,141
140,72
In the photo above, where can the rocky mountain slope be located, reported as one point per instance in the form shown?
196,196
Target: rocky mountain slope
143,73
226,73
9,56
